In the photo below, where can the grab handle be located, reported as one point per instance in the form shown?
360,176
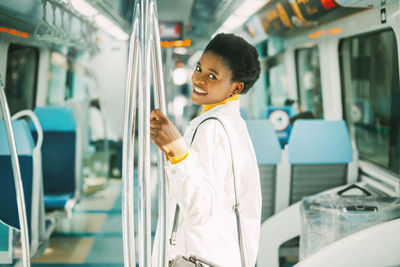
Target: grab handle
354,186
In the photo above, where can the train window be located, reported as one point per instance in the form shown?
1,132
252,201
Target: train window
371,96
22,65
309,80
58,79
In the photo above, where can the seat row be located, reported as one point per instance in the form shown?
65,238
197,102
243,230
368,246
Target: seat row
318,156
48,153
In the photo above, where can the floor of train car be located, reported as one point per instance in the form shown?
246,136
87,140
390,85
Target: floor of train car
92,236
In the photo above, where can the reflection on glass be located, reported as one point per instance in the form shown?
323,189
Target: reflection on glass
276,83
309,80
370,78
22,64
58,79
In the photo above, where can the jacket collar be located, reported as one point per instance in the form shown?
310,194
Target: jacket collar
232,107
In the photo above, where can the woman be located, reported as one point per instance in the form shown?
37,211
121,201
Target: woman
199,172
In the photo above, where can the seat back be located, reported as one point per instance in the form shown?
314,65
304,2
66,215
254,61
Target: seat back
319,153
8,199
268,153
58,150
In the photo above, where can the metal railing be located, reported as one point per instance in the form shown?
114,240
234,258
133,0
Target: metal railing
19,190
144,63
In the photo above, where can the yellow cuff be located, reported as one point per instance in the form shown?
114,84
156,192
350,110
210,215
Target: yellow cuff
179,158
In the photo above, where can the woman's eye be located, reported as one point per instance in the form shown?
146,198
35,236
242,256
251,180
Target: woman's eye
198,69
212,76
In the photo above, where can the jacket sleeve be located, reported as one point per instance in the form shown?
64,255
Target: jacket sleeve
197,182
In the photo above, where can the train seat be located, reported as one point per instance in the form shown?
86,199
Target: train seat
8,202
58,156
316,161
6,251
319,153
268,153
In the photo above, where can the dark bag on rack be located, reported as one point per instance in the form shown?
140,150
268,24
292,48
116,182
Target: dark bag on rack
192,261
327,218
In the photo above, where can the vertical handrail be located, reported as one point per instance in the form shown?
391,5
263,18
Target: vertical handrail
132,84
19,190
144,56
159,102
144,211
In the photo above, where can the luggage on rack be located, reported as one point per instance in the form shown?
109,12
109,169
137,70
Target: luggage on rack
326,218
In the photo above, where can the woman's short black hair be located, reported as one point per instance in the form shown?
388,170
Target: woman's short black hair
240,57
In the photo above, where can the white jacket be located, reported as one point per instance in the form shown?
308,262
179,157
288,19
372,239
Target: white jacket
202,185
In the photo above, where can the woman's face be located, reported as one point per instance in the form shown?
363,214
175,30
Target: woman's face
212,80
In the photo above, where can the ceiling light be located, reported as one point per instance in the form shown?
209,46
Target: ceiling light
180,50
248,8
103,21
116,32
84,8
233,22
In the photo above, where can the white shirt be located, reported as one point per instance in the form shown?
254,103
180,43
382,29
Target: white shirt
202,185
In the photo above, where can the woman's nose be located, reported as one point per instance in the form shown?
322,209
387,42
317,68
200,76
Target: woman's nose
198,78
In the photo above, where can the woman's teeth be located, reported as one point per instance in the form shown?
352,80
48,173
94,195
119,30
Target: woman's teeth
198,90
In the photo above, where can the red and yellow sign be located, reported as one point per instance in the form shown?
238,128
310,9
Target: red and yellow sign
14,32
179,43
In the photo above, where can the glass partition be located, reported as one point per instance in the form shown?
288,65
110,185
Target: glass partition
371,96
309,81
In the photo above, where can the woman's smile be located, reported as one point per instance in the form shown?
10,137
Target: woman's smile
199,91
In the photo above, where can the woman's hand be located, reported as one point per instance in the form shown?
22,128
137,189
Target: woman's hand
165,135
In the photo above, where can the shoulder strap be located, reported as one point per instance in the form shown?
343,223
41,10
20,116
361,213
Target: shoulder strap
235,206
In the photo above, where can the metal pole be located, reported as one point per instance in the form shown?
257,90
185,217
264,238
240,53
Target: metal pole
19,190
144,211
129,143
159,102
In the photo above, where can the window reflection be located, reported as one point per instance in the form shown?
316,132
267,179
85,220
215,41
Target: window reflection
58,79
276,80
309,81
21,75
370,81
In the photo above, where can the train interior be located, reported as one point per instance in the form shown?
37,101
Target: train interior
324,119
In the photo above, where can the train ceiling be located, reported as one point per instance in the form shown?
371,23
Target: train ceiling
200,18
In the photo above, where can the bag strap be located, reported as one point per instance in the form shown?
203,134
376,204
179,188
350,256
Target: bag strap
235,206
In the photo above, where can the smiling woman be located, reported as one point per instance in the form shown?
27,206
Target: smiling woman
212,80
213,167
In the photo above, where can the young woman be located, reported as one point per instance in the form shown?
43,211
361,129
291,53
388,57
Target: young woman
199,168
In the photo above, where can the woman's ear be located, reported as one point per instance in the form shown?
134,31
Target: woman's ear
238,87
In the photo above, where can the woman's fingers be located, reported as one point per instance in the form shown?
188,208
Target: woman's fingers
153,115
154,124
158,115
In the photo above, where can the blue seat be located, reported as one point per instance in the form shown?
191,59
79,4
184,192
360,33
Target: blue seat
25,145
319,153
268,153
58,154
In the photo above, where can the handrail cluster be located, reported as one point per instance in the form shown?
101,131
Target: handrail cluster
144,63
